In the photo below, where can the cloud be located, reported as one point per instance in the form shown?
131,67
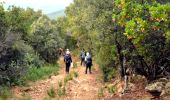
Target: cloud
46,6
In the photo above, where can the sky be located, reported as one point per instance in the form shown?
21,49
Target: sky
47,6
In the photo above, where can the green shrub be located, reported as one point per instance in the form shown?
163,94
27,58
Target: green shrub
60,83
76,52
35,73
74,65
47,98
109,73
75,74
46,40
106,61
61,91
111,89
68,78
101,92
4,92
34,60
51,92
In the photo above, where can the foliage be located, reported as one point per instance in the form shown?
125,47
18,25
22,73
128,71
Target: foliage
144,24
21,32
51,92
13,42
91,25
4,92
111,89
101,92
45,39
75,74
68,78
61,91
34,73
75,65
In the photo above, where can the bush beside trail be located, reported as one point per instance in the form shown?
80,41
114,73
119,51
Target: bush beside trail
28,39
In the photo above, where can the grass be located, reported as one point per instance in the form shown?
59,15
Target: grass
111,89
25,97
4,93
70,76
35,73
61,91
47,98
101,92
75,74
60,84
74,65
51,92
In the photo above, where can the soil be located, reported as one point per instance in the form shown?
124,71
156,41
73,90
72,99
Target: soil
84,87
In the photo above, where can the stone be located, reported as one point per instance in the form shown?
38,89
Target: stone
27,89
167,88
165,80
157,86
155,89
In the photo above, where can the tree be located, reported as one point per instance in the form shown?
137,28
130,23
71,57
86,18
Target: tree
91,24
14,47
144,24
46,40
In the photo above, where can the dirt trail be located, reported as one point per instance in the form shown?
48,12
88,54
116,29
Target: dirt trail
84,87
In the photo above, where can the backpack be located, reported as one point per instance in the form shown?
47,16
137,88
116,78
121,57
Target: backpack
89,60
67,58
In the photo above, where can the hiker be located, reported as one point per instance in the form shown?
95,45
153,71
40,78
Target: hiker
61,52
66,51
67,60
88,62
82,57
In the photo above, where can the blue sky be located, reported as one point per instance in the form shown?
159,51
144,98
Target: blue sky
47,6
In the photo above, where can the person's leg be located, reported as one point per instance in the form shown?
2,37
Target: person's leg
90,69
69,64
86,69
66,67
81,61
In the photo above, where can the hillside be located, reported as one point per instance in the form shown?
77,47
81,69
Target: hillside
56,14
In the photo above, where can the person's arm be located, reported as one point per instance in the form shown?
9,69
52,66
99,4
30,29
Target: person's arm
80,54
70,59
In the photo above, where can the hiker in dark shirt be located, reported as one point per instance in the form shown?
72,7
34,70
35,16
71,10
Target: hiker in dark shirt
67,60
88,61
82,57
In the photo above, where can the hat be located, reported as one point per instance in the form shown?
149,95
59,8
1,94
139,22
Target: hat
87,54
67,52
